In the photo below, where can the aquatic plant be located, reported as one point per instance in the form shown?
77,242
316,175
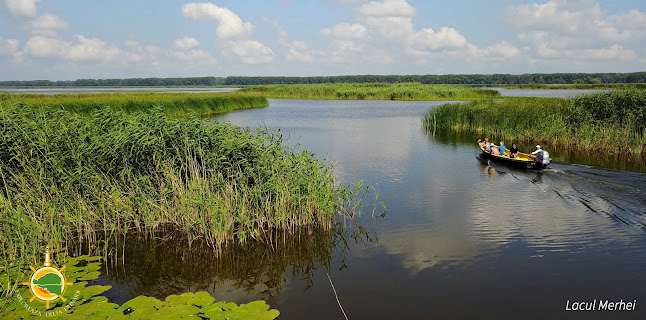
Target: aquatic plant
370,91
607,122
176,104
610,86
70,175
89,304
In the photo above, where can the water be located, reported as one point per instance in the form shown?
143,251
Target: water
52,91
462,238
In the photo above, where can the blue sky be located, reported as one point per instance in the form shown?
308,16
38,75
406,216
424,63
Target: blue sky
61,40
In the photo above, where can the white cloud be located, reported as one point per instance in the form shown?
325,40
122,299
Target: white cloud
345,51
577,30
613,52
46,24
22,8
185,43
8,46
346,31
446,38
229,24
300,51
193,56
251,51
85,49
554,14
387,8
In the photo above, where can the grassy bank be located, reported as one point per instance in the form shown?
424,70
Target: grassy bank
608,123
370,91
609,86
70,174
179,104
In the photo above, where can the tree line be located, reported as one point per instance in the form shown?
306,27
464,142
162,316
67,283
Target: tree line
471,79
132,82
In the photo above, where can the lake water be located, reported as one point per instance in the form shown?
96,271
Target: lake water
462,238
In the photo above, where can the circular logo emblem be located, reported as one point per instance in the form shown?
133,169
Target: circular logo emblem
47,283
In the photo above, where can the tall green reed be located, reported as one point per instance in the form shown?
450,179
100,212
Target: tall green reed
608,123
371,91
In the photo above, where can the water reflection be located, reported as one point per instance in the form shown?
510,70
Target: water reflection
167,264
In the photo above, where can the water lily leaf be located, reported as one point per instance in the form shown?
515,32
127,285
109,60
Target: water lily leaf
223,305
89,292
90,276
97,308
181,311
141,303
178,300
202,299
257,306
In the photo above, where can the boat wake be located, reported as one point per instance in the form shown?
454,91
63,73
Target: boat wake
620,195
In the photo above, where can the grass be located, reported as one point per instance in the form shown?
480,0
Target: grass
116,170
370,91
604,123
610,86
177,104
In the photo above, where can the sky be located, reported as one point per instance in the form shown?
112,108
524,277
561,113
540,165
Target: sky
73,39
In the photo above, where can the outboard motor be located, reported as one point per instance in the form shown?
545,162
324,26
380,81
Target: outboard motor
546,158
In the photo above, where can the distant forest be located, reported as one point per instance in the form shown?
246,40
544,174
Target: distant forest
473,79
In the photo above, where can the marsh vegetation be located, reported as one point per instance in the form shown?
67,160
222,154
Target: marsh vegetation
370,91
605,123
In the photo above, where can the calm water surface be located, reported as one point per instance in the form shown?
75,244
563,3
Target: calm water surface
462,238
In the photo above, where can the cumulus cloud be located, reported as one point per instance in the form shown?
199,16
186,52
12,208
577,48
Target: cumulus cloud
387,8
21,8
8,46
579,29
301,52
185,43
193,56
230,25
184,49
46,24
446,38
85,49
251,51
346,31
390,19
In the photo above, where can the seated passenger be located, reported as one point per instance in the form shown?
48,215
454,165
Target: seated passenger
494,150
502,149
513,152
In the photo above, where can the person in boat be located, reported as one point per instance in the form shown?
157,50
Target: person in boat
483,142
502,149
493,149
487,146
541,156
513,152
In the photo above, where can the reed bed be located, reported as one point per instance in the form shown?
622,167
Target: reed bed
370,91
110,170
178,104
577,86
605,123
